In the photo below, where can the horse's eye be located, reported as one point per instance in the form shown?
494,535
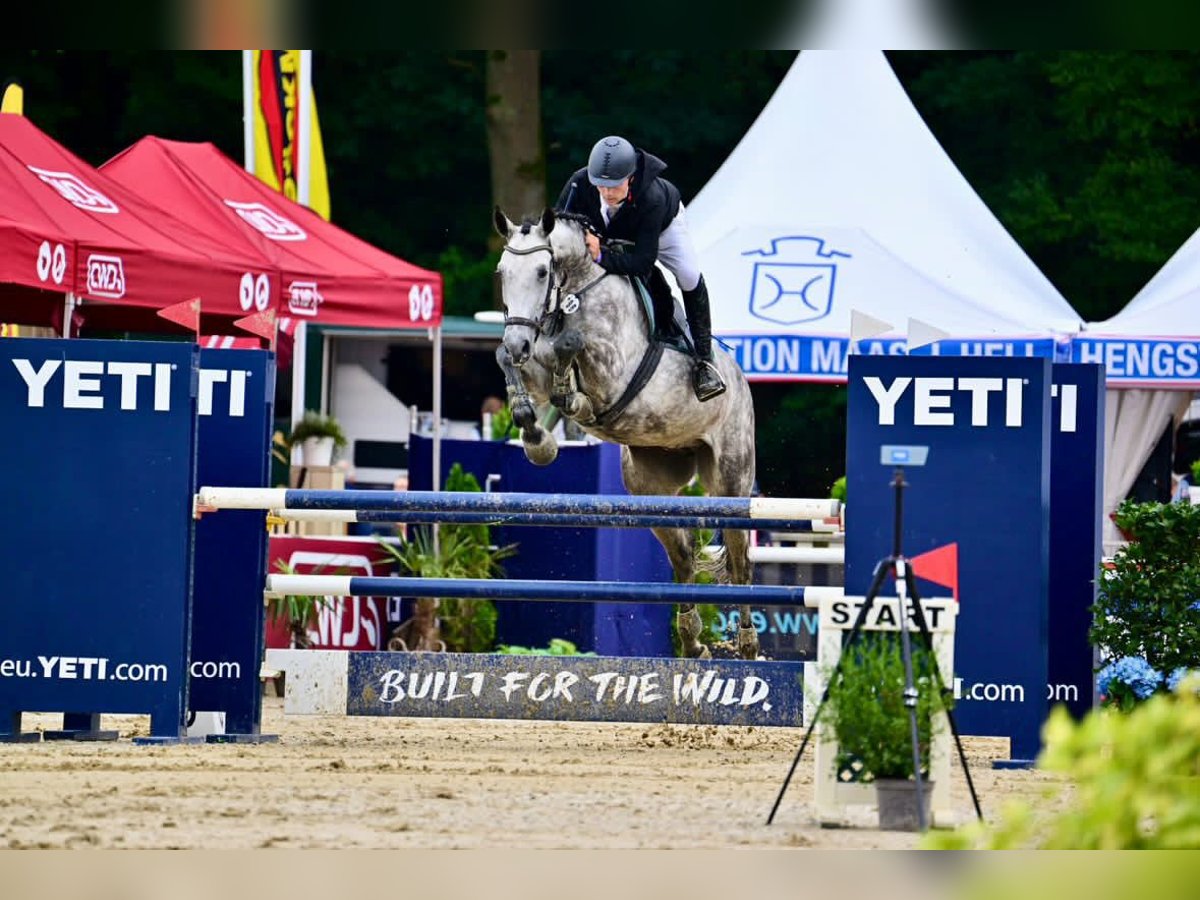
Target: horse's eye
541,270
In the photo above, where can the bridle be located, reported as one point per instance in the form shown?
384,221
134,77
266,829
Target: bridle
555,304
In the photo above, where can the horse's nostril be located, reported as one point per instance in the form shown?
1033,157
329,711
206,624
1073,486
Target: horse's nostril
525,348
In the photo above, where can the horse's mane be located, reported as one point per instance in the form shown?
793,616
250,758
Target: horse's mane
584,223
578,218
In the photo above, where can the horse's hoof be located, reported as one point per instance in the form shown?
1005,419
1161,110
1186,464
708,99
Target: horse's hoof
523,414
397,645
542,453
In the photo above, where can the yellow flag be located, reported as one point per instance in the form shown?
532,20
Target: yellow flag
276,123
14,102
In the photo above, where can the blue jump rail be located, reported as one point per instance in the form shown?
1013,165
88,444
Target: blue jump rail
570,591
537,519
587,507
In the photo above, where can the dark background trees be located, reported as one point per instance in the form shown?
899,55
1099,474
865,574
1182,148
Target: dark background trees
1089,159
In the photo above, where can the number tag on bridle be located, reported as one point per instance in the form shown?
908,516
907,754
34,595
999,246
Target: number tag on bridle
570,303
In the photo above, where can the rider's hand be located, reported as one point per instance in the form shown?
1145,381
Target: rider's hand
593,245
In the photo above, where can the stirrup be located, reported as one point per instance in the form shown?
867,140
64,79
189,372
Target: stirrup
707,381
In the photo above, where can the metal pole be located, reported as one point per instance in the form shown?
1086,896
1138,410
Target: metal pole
68,313
248,107
304,129
299,335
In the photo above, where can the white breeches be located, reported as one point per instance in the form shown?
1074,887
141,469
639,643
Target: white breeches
678,254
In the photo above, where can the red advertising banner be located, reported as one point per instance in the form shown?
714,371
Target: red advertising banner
345,623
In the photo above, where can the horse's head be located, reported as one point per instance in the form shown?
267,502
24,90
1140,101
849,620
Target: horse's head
532,267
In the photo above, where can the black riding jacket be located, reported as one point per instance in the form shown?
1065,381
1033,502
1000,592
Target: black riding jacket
652,203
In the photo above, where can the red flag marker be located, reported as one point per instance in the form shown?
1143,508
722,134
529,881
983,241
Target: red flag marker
186,314
261,324
939,565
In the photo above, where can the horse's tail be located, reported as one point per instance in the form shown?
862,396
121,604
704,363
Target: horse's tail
711,560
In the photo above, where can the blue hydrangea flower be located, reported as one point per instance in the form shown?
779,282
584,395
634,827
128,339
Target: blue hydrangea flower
1175,677
1134,672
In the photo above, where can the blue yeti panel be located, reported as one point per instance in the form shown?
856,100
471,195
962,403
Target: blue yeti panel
236,397
96,533
1076,514
986,488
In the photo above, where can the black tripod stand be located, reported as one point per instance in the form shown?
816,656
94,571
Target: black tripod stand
906,583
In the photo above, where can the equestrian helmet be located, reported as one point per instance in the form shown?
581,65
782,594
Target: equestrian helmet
613,159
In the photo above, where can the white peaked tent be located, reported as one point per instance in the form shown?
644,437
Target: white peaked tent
1151,351
839,201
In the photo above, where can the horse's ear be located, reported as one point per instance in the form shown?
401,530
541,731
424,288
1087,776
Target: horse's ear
547,220
500,220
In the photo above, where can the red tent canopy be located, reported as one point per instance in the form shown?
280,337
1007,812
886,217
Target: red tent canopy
328,276
64,226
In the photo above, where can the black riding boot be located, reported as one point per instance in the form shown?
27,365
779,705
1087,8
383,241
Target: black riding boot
664,304
706,380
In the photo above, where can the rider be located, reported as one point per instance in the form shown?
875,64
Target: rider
623,193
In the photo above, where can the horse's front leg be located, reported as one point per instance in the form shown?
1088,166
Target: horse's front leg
737,562
565,393
540,447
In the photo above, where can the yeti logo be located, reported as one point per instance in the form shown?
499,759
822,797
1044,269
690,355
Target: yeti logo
794,281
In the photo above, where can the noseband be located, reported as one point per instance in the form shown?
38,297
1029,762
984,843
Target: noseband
536,325
554,304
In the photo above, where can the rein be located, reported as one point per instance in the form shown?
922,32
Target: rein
554,304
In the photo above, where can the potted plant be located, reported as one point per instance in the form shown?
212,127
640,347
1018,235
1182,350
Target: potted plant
867,711
298,611
1194,484
317,436
460,625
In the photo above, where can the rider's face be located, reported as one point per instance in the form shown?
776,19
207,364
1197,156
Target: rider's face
614,196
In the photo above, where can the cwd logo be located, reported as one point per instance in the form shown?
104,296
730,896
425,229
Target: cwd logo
304,298
793,280
105,276
267,222
74,191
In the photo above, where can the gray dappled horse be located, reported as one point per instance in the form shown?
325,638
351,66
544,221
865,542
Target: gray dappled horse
578,337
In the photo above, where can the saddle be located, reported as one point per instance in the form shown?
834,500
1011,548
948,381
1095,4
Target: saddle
665,318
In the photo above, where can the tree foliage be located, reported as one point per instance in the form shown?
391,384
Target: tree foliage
1087,158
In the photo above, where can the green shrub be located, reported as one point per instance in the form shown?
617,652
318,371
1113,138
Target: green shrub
867,711
557,647
1148,603
503,428
838,490
1134,776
